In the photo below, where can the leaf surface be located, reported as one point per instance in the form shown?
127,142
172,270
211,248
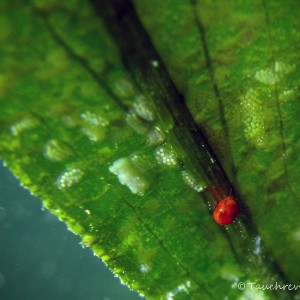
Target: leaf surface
102,151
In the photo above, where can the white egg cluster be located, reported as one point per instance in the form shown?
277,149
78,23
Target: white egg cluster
191,182
143,109
257,245
93,119
165,156
129,175
140,115
123,88
184,287
270,76
93,126
155,136
133,120
25,124
253,118
69,178
286,95
144,268
56,150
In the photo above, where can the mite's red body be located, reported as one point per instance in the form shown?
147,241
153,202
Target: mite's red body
226,211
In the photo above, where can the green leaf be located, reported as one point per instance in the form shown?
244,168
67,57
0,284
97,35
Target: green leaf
248,93
92,122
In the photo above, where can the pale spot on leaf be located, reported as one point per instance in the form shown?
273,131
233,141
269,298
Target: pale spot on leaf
25,124
192,183
253,118
69,178
94,126
129,175
143,109
270,76
182,288
155,136
56,150
165,156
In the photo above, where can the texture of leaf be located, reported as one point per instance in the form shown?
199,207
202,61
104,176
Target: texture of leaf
237,64
100,150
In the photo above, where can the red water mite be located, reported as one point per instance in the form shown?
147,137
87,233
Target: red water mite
226,211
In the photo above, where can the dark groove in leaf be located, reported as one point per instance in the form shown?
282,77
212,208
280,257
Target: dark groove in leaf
210,68
138,52
135,43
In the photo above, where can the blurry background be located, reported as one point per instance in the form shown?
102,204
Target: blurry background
41,259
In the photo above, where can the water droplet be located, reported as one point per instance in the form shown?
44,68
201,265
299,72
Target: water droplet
154,63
